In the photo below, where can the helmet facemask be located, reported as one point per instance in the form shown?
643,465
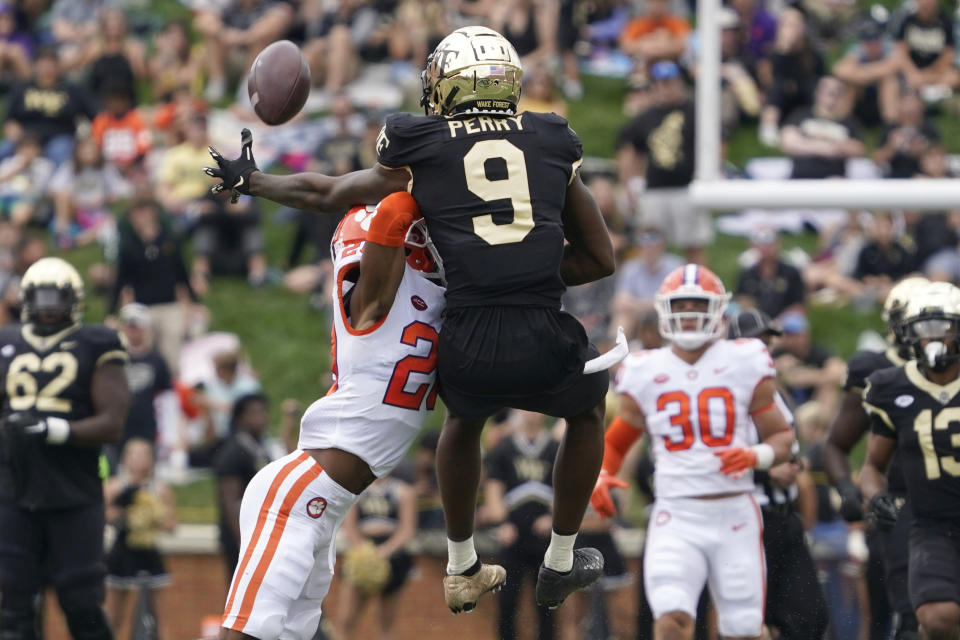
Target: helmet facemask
935,340
422,255
690,329
49,309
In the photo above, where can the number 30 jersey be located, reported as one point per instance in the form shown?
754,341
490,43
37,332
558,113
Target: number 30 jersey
924,419
693,410
52,376
492,190
385,377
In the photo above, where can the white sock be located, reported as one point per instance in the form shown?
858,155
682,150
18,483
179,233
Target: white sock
559,556
460,555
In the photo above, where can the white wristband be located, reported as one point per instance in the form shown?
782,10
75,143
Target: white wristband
58,430
765,455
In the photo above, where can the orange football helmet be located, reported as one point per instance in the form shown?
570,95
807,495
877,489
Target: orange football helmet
691,329
422,256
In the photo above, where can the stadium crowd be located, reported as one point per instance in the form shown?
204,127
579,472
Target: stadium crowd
108,110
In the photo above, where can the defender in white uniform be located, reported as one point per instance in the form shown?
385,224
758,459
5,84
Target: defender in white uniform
385,328
699,399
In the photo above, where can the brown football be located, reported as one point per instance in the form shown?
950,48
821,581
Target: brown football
279,82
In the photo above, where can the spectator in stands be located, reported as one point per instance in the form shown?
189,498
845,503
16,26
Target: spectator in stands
740,97
639,278
16,47
228,241
341,149
238,28
871,67
655,35
937,237
425,483
807,370
119,129
238,460
182,188
148,375
139,507
925,49
540,92
771,284
150,271
904,142
822,137
47,107
796,68
73,25
384,516
663,136
117,58
331,35
758,33
83,189
530,26
174,64
23,181
885,258
233,380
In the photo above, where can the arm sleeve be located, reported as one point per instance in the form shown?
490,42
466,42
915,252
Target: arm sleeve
401,142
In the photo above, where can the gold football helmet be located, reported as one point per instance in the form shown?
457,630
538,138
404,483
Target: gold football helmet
931,325
51,296
472,70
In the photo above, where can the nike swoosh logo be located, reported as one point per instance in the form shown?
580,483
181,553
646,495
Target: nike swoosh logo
737,527
239,183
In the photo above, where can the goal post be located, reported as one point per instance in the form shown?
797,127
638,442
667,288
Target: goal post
710,191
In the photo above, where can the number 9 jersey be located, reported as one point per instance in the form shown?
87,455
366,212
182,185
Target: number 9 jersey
492,190
384,377
692,410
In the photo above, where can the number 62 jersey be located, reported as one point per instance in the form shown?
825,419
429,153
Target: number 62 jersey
924,419
384,376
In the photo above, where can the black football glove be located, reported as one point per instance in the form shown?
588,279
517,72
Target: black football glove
851,505
126,497
22,426
883,511
235,174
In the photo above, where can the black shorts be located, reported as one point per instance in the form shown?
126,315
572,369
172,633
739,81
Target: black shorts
934,573
531,358
896,560
401,567
62,548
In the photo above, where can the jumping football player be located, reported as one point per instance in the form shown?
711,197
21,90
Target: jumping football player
500,193
385,324
849,425
699,398
914,413
64,395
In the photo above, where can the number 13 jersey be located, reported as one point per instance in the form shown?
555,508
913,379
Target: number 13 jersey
492,190
693,410
384,376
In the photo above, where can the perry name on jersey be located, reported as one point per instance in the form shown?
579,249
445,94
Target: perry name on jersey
924,418
691,411
492,190
385,375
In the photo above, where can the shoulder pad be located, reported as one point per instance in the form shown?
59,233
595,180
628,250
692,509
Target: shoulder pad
105,343
402,137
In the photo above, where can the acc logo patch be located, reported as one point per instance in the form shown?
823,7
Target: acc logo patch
7,350
418,303
903,401
316,507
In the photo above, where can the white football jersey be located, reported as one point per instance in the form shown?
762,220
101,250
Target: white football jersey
691,411
384,376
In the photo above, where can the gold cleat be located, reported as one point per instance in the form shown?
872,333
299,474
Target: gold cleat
462,592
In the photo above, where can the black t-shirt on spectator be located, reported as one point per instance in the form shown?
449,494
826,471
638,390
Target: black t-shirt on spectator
772,296
815,358
113,71
47,113
147,376
241,457
811,126
903,164
926,40
665,135
930,234
895,261
795,77
152,269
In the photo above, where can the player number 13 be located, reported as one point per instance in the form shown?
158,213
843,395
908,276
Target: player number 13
515,187
925,425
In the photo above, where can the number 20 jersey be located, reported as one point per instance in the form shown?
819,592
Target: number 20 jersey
693,410
492,190
385,377
924,419
52,376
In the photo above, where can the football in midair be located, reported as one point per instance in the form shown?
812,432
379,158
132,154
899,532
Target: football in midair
279,82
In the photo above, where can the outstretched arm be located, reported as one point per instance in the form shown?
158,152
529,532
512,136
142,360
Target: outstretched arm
588,256
307,191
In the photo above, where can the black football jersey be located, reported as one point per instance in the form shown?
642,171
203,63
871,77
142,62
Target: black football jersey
924,418
51,376
492,190
526,470
859,367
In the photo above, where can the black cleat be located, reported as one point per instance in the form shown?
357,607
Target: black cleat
553,587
